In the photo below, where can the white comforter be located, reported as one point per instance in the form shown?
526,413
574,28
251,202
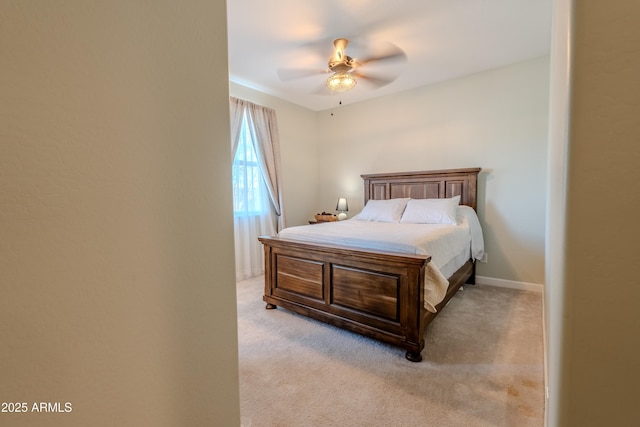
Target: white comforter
449,246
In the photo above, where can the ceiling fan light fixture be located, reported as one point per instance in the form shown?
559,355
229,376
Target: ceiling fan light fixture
341,82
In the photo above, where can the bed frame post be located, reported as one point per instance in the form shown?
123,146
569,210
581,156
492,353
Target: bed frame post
472,279
413,356
268,271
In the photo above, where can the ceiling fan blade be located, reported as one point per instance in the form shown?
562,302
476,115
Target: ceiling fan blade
377,81
322,48
392,53
321,90
288,74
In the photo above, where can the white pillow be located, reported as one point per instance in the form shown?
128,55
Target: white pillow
383,210
431,211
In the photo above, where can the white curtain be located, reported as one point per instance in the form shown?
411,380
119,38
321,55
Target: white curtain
257,189
249,251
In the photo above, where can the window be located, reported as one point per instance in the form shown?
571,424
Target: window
250,196
255,179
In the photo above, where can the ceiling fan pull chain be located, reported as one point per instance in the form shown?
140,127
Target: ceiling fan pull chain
339,105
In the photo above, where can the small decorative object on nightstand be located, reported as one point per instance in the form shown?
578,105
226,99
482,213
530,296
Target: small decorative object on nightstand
342,207
323,217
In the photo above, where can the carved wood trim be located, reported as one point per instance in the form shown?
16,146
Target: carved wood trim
436,184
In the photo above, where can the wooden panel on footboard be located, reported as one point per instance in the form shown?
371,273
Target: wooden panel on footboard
368,292
377,294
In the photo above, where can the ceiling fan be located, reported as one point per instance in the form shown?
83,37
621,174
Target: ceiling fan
346,71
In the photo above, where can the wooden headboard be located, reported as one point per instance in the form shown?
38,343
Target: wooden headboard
435,184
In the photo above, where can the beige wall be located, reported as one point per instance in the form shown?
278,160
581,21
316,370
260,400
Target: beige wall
496,120
116,278
556,204
595,367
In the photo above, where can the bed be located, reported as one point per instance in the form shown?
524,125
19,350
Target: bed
373,292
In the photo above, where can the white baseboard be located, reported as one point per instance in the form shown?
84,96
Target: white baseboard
511,284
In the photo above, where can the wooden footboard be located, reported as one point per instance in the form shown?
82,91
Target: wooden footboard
377,294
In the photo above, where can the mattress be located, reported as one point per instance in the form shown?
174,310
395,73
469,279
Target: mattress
449,246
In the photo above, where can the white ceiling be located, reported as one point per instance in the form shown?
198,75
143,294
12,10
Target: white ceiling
442,39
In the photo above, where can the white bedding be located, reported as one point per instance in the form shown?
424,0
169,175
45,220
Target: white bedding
449,246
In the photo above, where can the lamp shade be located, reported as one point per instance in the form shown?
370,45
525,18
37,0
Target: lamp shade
342,205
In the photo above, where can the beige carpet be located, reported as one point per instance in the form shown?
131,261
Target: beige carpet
482,367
